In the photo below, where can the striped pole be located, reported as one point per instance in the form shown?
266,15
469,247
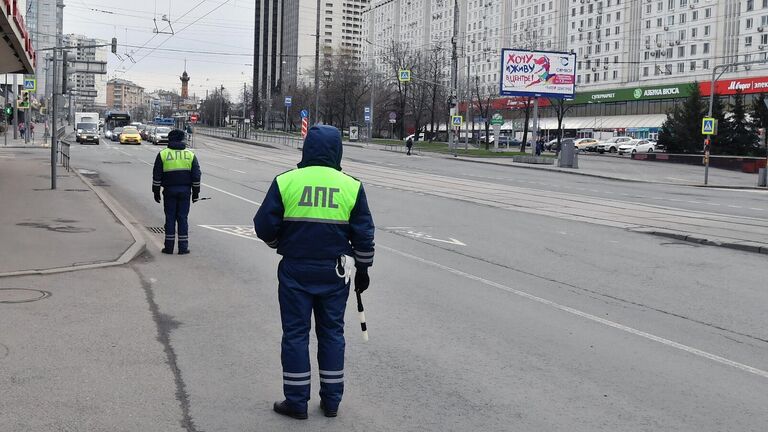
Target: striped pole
361,315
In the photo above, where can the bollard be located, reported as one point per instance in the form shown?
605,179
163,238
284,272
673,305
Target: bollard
762,177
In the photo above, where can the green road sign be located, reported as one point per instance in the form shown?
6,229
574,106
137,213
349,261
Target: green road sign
497,119
708,126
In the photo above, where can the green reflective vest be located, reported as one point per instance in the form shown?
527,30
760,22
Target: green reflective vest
177,160
318,194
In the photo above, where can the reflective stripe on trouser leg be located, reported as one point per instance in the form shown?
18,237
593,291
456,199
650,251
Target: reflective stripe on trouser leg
295,314
170,208
329,327
182,213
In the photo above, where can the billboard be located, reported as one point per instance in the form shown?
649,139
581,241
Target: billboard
537,73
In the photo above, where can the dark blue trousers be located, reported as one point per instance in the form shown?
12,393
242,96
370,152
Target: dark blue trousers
307,286
176,205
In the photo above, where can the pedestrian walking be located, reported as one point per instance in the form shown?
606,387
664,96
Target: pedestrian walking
317,218
177,171
22,129
32,131
409,145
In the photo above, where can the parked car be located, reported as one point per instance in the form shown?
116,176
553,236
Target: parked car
612,144
582,143
629,147
504,141
421,137
160,135
130,135
592,148
645,147
115,135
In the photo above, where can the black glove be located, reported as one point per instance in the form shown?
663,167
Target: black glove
157,197
362,280
195,196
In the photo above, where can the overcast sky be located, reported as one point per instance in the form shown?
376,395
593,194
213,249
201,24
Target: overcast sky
222,27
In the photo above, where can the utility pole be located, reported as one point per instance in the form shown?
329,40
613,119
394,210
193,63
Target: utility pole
5,130
15,96
454,74
317,64
221,106
469,105
54,134
269,101
245,135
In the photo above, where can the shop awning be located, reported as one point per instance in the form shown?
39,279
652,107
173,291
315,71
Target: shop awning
607,122
16,53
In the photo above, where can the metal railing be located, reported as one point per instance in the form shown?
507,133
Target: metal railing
253,135
64,154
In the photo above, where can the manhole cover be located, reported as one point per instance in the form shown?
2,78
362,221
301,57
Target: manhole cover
156,230
21,295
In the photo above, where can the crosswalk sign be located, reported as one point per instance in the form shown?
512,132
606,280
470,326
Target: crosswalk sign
404,75
457,120
30,84
708,126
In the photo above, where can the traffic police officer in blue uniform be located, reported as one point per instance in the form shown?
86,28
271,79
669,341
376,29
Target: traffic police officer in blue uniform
178,172
316,217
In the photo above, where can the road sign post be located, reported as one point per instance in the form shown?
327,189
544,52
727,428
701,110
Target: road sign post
708,128
304,123
288,103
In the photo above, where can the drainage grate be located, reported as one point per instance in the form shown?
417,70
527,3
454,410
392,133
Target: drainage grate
156,230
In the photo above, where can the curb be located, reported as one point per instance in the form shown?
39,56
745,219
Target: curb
240,140
753,248
132,252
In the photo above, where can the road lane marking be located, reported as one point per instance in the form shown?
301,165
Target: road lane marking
590,317
231,194
734,206
755,208
409,232
243,231
238,171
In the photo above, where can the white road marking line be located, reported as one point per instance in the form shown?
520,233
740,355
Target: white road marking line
755,208
145,162
238,171
214,228
231,194
590,317
694,202
734,206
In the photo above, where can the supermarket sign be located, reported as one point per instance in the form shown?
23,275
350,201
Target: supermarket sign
633,94
731,86
724,87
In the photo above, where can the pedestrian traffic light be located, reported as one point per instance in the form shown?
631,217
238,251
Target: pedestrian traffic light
8,111
114,45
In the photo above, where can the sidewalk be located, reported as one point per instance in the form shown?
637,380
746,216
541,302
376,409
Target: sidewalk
625,169
7,140
44,229
79,350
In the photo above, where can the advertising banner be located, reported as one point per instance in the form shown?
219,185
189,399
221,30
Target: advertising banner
537,73
731,86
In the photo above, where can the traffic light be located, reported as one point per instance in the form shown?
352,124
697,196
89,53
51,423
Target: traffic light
8,111
114,45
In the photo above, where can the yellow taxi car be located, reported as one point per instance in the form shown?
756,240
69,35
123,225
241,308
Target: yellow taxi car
130,135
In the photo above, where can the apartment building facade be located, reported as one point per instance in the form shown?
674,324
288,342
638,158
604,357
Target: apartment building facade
124,95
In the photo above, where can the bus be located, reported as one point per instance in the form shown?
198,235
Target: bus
115,119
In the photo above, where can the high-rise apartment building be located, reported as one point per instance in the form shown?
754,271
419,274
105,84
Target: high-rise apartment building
635,58
85,84
45,22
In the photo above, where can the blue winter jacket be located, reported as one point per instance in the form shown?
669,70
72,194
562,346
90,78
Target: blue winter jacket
177,181
312,239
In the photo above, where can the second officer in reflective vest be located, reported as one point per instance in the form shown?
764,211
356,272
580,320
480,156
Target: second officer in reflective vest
316,216
178,172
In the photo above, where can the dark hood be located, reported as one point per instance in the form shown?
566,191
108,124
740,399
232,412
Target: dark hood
177,145
322,147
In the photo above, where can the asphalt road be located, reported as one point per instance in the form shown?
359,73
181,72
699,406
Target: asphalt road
482,316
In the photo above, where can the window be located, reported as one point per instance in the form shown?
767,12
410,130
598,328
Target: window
659,22
693,49
708,13
750,5
705,48
705,64
706,30
693,66
748,23
748,41
680,52
694,32
695,15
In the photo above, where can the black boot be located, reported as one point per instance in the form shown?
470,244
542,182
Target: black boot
284,409
168,251
327,411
